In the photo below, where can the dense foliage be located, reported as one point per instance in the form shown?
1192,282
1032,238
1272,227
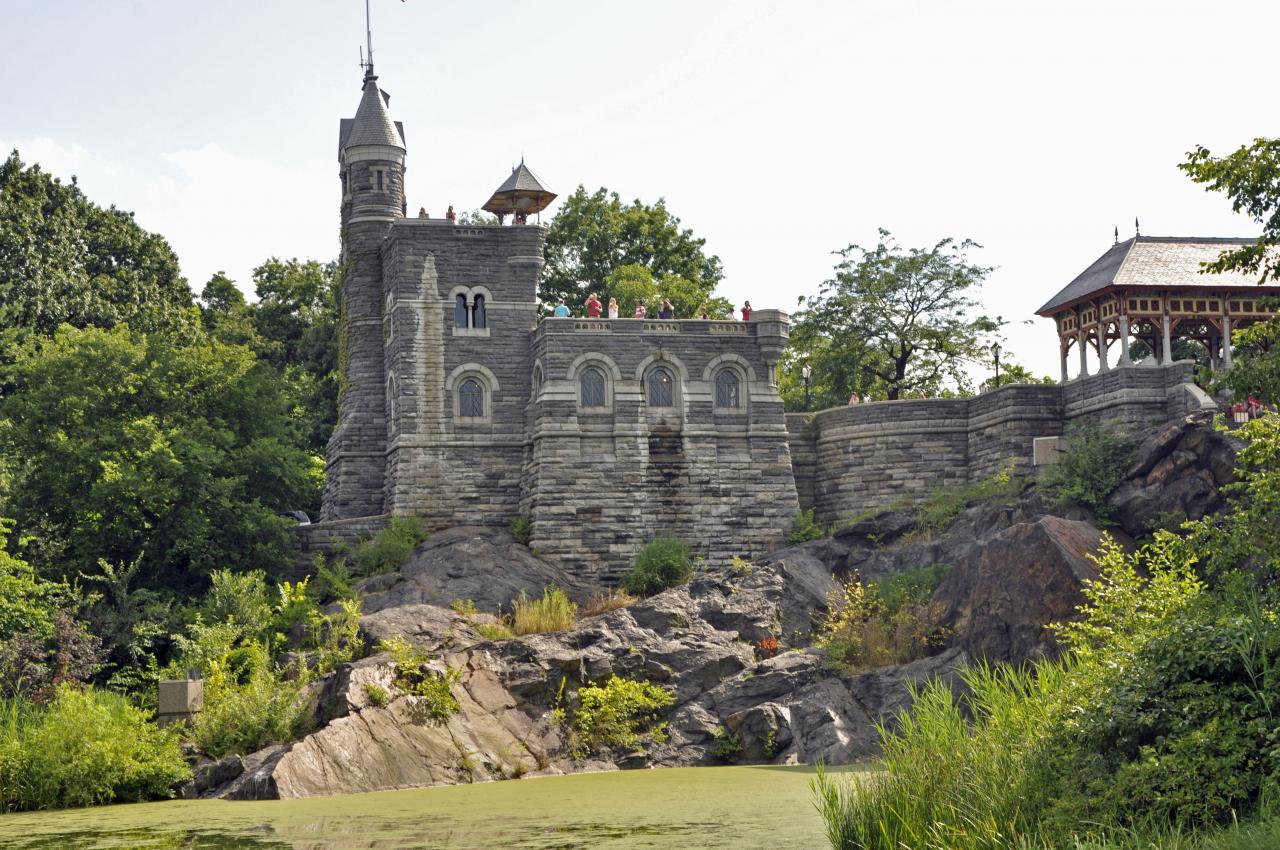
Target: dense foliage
1092,466
83,748
637,251
128,448
1159,719
64,259
620,714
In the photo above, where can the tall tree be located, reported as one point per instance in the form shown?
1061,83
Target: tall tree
593,236
140,449
892,323
1250,178
64,259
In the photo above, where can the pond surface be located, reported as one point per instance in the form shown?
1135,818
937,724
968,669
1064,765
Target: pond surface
700,807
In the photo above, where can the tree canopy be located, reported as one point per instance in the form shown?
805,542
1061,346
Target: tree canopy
891,323
1250,178
596,243
64,259
127,447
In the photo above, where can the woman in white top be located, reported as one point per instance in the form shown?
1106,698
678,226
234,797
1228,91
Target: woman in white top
613,308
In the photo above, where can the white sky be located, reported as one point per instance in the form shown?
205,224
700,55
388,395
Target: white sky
778,131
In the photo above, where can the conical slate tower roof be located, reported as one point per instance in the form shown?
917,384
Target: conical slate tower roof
373,124
522,192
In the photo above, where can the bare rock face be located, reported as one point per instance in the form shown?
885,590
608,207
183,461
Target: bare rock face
481,564
1177,473
998,600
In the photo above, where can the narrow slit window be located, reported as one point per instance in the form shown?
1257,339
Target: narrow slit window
471,399
460,311
378,177
477,313
592,388
728,389
661,389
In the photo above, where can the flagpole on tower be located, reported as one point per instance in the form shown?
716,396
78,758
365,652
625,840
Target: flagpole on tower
368,34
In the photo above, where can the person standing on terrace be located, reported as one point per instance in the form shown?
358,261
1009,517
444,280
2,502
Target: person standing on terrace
641,312
593,306
613,308
561,311
667,310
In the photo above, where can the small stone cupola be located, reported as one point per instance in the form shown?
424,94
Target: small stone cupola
371,153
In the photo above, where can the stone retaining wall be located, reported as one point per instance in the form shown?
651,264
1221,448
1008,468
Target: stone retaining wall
857,458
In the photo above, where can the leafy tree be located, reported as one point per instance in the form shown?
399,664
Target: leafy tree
595,235
1250,177
892,323
128,448
225,313
65,259
1012,372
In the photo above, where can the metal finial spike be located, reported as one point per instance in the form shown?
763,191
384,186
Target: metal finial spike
1137,231
1117,234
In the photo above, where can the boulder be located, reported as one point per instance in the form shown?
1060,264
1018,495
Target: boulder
484,565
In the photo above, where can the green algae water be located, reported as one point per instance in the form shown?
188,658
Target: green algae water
699,807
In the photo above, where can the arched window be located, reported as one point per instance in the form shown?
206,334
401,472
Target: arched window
661,389
471,399
477,313
591,388
728,389
460,311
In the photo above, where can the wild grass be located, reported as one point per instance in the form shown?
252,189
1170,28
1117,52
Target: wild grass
553,612
604,601
885,622
941,508
944,787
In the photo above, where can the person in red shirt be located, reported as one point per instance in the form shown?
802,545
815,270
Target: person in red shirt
593,306
641,312
746,311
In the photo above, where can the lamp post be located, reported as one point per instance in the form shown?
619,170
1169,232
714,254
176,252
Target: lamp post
995,354
807,371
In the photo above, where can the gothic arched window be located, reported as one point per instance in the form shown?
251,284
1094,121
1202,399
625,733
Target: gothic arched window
477,313
661,389
728,389
591,387
460,311
471,399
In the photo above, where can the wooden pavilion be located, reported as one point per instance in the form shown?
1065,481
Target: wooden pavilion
1151,288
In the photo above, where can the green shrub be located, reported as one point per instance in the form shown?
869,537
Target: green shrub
522,529
1091,468
241,599
726,745
553,612
621,714
887,622
464,607
334,580
390,548
248,704
663,563
335,638
803,528
376,694
495,631
84,748
435,703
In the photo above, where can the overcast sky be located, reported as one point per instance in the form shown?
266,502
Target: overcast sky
778,131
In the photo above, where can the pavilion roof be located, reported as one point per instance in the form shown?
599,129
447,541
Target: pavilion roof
1163,261
522,192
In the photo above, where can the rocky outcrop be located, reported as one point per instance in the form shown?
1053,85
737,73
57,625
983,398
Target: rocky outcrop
1177,474
1015,564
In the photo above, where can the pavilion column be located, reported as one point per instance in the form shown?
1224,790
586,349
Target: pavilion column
1167,357
1082,344
1062,356
1102,347
1124,342
1226,342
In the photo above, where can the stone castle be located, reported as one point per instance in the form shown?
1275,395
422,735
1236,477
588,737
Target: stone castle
460,404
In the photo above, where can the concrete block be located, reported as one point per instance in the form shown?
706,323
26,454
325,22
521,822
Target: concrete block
181,696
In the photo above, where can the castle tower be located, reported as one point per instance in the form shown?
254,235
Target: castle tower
371,155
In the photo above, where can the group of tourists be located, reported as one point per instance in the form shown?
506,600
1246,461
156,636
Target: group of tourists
595,308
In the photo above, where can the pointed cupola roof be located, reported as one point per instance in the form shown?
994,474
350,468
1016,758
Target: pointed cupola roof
372,124
522,192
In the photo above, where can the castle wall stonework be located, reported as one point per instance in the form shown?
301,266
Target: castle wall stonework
868,456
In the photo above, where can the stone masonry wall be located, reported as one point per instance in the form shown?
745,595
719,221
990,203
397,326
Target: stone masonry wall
601,482
871,455
450,470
